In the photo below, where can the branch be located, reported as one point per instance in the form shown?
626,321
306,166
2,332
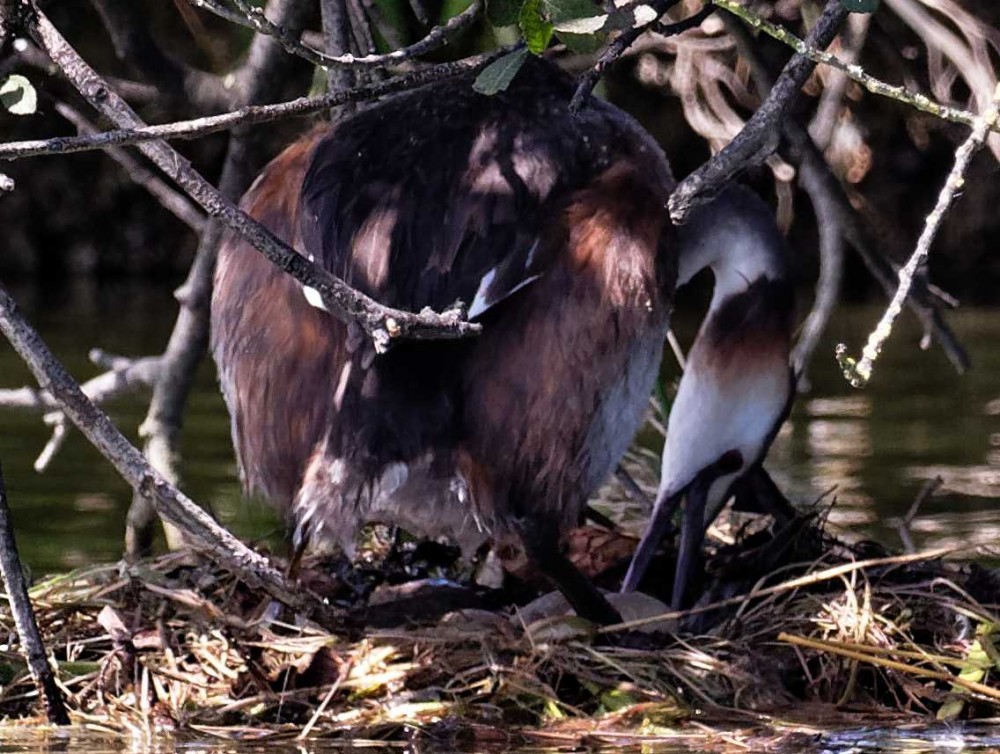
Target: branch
858,373
120,380
383,324
32,646
760,136
126,23
124,377
337,26
627,38
834,211
254,18
179,205
204,534
266,71
251,114
852,71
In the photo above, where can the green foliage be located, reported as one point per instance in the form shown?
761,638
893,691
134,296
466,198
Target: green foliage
861,6
496,77
536,29
18,96
577,23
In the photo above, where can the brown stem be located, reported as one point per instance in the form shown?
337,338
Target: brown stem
32,646
204,535
126,23
759,137
251,114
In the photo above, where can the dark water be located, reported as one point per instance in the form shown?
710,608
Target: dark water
874,448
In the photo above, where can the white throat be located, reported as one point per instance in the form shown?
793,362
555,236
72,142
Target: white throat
736,236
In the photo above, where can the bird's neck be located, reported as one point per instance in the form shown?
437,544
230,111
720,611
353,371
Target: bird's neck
742,265
739,245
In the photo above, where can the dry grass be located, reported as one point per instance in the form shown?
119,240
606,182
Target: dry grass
174,644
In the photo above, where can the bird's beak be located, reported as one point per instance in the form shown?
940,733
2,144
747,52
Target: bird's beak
659,526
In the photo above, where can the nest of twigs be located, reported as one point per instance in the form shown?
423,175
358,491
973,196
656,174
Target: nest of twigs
176,644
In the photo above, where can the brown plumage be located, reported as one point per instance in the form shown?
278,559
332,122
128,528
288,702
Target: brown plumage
551,227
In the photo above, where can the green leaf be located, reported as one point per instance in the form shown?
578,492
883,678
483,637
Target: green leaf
18,96
561,11
861,6
496,77
503,12
536,29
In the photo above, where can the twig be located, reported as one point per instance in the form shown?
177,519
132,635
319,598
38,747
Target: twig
203,533
901,667
249,115
256,19
59,429
178,204
267,70
818,179
903,525
759,137
859,372
852,71
337,38
121,379
383,324
786,586
32,646
929,488
625,40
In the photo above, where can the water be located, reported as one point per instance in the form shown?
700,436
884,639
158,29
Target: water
871,450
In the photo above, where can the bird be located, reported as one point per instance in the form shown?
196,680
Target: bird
546,226
737,385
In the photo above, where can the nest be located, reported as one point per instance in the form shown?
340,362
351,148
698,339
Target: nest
177,645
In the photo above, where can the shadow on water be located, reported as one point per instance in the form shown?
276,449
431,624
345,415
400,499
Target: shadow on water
871,450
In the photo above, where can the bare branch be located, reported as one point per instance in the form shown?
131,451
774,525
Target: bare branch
121,380
251,114
759,137
254,18
126,23
337,39
859,372
383,324
57,421
177,204
32,646
852,71
204,534
265,72
834,213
